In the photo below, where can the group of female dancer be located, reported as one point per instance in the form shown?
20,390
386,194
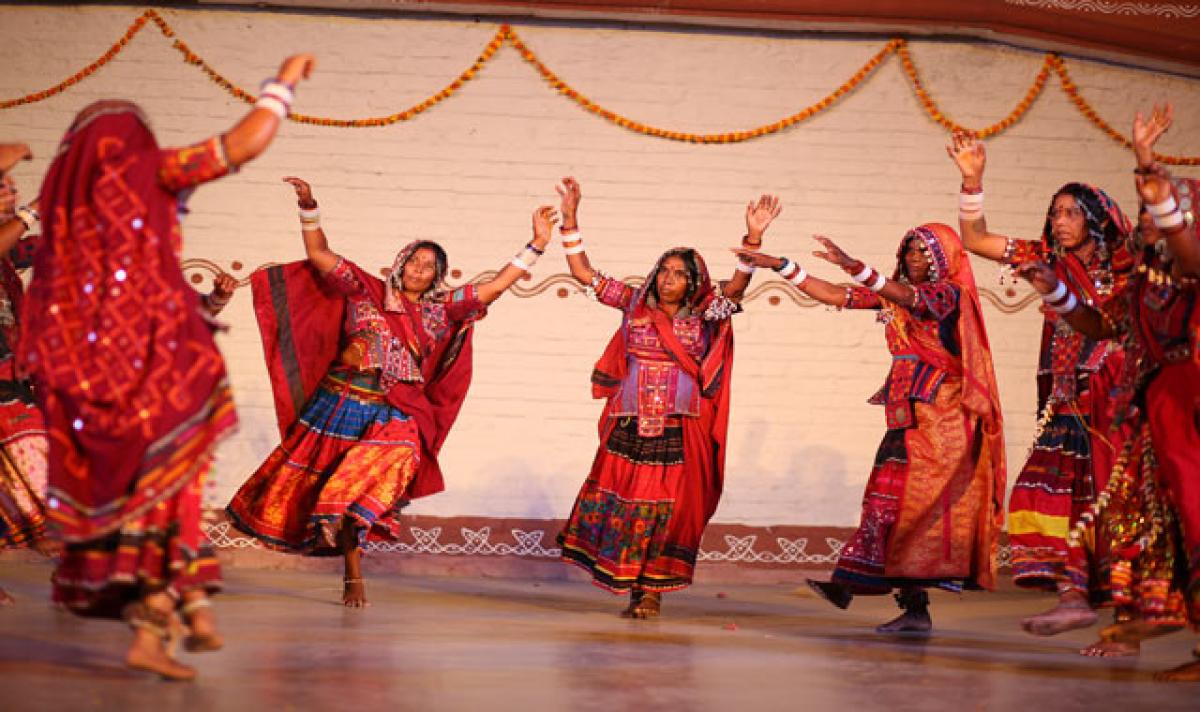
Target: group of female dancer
113,390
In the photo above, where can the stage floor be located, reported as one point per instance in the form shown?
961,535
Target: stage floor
488,644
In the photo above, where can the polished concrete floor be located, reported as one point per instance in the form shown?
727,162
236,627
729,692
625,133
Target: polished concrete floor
487,644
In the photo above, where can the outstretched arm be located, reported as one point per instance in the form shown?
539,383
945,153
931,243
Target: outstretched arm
1058,298
577,260
758,218
969,155
251,136
316,247
815,287
15,219
219,297
865,275
544,219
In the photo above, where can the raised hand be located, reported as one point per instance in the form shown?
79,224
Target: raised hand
759,216
758,259
304,196
295,68
544,219
1153,188
13,153
970,157
1147,131
832,253
1040,275
570,194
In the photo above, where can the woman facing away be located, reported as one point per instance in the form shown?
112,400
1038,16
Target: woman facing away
657,476
934,502
1084,240
369,376
1149,514
126,372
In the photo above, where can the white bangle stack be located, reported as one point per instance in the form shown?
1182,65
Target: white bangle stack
870,278
745,268
970,206
1166,214
310,219
1061,300
792,272
526,258
276,97
28,215
572,242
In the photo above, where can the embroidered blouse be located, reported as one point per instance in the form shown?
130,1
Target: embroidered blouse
655,387
928,326
367,341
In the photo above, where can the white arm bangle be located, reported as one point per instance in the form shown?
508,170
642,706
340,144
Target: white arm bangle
1067,307
799,276
1164,208
519,264
866,272
574,249
1059,292
570,236
28,216
310,213
278,89
788,268
878,284
273,104
745,268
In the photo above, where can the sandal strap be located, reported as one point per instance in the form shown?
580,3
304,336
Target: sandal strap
195,605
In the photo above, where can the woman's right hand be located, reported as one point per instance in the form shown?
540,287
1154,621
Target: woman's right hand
970,157
304,196
13,153
1040,275
758,259
295,68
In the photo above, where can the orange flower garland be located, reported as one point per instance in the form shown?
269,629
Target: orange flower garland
505,34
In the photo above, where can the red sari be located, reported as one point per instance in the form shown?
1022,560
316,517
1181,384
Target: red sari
658,475
934,503
124,365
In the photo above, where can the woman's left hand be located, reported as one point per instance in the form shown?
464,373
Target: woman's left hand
758,259
759,216
223,286
1040,275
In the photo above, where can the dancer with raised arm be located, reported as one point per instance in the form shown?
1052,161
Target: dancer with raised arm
126,372
934,503
1084,240
369,376
657,477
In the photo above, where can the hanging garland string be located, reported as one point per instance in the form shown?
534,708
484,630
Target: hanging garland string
1052,63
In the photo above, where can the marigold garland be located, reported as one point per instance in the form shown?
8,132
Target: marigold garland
506,35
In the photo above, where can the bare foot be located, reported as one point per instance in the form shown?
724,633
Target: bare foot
1112,649
1188,672
1135,631
1067,615
149,653
6,599
911,621
354,593
202,625
643,604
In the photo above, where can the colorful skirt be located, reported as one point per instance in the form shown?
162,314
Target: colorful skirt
1057,484
164,550
23,448
620,527
1152,521
350,454
925,508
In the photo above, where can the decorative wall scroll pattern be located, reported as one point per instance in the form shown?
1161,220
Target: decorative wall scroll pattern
1105,7
774,291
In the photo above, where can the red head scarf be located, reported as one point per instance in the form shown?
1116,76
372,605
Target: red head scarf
129,378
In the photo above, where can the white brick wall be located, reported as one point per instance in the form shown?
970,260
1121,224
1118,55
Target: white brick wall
469,172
